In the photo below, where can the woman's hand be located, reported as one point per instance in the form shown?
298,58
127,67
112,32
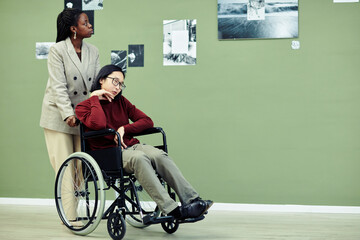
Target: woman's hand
103,95
72,121
121,131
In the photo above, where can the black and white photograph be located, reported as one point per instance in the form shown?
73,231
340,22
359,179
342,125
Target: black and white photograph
42,49
136,55
254,19
119,58
92,4
179,46
73,4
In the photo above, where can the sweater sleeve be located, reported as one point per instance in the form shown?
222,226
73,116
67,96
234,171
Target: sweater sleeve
90,113
140,121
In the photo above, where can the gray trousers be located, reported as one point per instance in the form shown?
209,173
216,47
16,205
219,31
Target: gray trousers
144,161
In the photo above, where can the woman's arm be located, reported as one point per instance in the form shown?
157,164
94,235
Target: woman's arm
140,120
91,113
58,83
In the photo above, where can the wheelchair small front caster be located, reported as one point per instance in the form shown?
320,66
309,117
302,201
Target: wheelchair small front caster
170,226
116,226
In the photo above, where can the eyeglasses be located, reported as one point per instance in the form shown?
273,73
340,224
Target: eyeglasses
117,82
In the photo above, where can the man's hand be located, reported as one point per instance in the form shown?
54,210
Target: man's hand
121,132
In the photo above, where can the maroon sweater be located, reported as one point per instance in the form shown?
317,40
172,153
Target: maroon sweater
98,114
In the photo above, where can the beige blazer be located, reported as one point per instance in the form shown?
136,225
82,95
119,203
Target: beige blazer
69,83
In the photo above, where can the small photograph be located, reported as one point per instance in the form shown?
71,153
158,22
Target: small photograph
255,19
42,49
73,4
136,56
179,46
118,58
92,4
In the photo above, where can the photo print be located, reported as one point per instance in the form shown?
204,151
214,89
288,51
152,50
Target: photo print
92,4
254,19
136,56
118,58
179,46
73,4
42,49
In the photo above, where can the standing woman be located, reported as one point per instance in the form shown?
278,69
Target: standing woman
72,65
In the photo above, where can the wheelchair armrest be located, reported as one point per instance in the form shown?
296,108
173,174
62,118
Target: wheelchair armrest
99,133
154,130
150,131
110,131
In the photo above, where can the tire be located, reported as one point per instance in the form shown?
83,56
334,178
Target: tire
80,194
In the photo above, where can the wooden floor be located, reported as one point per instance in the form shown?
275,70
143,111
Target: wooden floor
42,222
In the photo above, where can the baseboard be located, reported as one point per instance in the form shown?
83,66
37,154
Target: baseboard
218,206
285,208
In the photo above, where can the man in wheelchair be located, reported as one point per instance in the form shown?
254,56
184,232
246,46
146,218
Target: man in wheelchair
107,108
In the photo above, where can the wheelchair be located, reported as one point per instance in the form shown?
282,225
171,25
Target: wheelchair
84,177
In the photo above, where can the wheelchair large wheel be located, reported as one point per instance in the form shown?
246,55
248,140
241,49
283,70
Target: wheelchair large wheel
148,205
80,194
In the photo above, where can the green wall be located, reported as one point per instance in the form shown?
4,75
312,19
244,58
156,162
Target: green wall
253,122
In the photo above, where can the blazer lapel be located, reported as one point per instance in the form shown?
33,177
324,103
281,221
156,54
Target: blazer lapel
85,52
81,66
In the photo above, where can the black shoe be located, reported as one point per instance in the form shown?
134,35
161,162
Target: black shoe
176,213
193,210
209,203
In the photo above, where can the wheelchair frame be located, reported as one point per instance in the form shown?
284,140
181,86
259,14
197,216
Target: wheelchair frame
80,191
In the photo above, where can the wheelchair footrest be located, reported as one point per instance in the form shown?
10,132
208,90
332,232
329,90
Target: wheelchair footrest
192,220
149,219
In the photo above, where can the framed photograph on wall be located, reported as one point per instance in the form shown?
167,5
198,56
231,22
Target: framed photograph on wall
179,46
119,58
42,49
73,4
136,55
254,19
92,4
